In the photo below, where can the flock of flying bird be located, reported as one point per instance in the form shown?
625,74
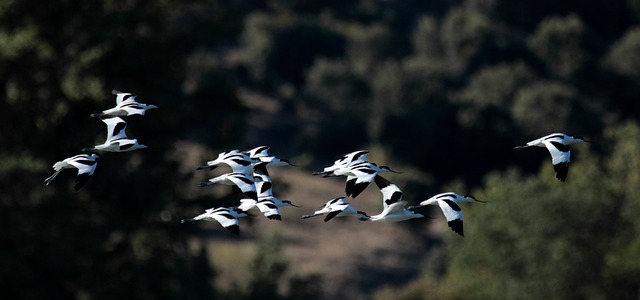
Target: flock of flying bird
249,176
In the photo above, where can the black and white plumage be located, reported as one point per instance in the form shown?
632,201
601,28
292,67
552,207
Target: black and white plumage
557,143
343,161
396,212
238,161
261,154
126,105
448,203
338,207
267,207
264,186
117,140
239,182
226,216
85,163
359,175
393,206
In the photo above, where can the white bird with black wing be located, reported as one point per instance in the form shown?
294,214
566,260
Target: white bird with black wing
394,208
261,154
264,186
85,163
239,182
343,161
126,105
117,140
359,175
448,203
238,161
226,216
557,143
338,207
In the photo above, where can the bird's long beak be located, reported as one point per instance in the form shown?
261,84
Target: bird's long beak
480,201
308,216
295,205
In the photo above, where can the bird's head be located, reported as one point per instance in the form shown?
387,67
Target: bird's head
472,199
288,203
385,168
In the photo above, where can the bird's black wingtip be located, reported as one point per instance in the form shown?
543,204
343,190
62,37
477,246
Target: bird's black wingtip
456,226
235,229
275,217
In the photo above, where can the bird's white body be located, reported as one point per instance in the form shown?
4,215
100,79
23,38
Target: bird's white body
239,162
240,182
343,161
126,105
227,217
337,207
117,140
261,154
85,163
448,203
557,143
267,207
393,206
359,175
396,212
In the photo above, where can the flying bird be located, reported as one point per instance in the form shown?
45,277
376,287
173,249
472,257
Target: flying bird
396,212
261,154
342,161
117,140
85,163
126,105
448,203
359,175
393,206
560,153
238,161
226,216
264,186
239,182
337,207
267,207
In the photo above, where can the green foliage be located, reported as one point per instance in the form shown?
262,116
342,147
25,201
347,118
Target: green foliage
558,42
272,277
543,107
624,54
464,33
539,238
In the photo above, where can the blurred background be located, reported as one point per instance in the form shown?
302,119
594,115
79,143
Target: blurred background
440,90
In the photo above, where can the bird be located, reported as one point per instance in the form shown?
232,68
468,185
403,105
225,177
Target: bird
267,207
557,143
261,154
117,140
337,207
394,208
226,216
264,186
342,161
126,105
359,175
85,163
396,212
239,182
238,161
448,203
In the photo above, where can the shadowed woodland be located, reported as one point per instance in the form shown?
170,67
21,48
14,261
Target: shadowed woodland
440,90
